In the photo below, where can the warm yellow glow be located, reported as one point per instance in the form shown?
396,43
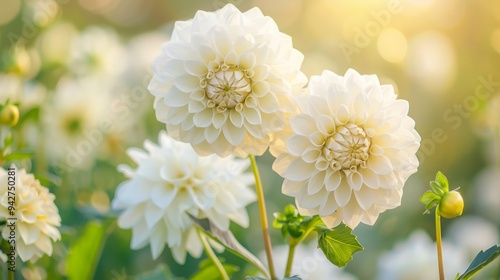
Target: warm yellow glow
392,45
9,10
495,40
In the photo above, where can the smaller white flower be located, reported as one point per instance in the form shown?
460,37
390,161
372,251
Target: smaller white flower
37,216
76,119
172,182
98,52
416,259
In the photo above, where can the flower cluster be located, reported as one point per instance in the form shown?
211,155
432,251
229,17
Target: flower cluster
171,183
37,216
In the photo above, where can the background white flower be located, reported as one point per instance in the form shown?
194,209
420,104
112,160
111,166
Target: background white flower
37,216
225,80
309,263
416,259
172,181
351,150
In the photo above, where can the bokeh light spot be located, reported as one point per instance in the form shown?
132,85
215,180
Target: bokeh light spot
392,45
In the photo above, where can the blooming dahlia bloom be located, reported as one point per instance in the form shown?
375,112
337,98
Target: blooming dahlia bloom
350,150
225,81
37,215
172,182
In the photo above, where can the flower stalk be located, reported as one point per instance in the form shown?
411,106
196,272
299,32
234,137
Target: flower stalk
292,244
211,255
263,216
439,245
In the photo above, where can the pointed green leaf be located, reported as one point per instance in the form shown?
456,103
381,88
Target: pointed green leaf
339,245
480,261
436,188
208,271
227,239
295,277
428,197
443,181
18,156
85,252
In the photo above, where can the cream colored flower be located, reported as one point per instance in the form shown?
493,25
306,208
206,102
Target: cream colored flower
351,149
37,215
172,182
225,81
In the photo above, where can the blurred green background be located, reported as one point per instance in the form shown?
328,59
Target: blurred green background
442,56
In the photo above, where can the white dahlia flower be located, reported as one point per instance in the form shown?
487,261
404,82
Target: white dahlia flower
225,81
37,215
350,151
172,182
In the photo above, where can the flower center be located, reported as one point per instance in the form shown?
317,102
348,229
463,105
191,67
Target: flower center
227,87
347,148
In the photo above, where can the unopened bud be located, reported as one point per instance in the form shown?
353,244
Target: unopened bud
451,205
9,115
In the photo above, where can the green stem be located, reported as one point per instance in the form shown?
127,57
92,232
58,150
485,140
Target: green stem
263,216
438,245
289,262
11,275
211,255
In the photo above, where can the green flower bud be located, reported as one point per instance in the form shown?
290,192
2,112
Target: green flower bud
451,205
9,115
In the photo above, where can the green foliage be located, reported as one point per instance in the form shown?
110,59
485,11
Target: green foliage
208,271
159,273
338,244
439,187
295,225
480,261
84,253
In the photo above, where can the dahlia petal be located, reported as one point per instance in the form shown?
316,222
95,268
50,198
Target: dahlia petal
176,97
43,244
260,89
203,118
219,119
252,116
304,125
246,61
157,241
269,103
221,40
299,170
332,181
355,181
211,134
176,115
343,193
291,188
370,178
364,198
297,144
325,124
187,83
380,164
152,214
311,154
195,68
330,205
236,118
178,50
28,232
352,215
162,196
195,106
233,134
331,221
342,116
316,183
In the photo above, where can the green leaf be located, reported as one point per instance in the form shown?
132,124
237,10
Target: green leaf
436,188
227,239
31,114
443,181
208,271
85,252
159,273
18,156
254,278
339,245
480,261
428,197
